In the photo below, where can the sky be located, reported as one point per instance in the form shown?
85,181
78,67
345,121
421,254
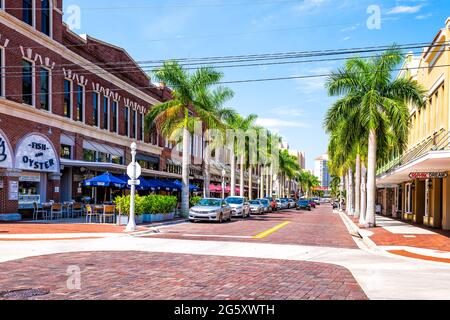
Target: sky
157,30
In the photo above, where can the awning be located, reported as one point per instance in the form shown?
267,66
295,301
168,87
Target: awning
105,180
150,159
435,161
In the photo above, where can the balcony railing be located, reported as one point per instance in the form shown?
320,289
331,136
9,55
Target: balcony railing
437,142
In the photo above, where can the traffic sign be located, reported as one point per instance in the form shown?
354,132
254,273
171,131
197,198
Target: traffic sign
134,182
130,170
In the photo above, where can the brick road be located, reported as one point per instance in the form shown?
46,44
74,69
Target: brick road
138,275
320,227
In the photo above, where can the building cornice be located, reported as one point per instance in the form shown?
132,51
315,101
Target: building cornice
47,42
26,112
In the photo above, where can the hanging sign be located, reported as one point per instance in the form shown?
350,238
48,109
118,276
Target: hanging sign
35,153
13,194
428,175
5,153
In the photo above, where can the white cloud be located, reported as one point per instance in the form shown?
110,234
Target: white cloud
306,5
346,39
351,28
423,16
276,124
405,9
288,111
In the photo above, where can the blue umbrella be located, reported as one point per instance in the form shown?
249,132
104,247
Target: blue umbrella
169,185
191,186
105,180
143,185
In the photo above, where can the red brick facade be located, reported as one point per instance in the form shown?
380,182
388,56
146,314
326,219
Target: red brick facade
84,61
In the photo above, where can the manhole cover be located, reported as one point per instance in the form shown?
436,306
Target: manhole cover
24,293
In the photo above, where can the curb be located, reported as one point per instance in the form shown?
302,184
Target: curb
364,235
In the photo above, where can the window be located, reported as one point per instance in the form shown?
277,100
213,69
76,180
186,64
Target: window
95,109
114,116
2,69
45,17
105,113
116,159
27,82
66,152
134,125
28,12
141,131
104,157
45,89
80,103
88,155
67,98
126,120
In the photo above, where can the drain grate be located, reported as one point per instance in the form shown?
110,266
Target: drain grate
24,293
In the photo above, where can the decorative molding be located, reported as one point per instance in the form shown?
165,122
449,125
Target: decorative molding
28,54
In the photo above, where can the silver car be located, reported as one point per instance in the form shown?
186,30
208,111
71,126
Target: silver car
256,207
239,206
210,209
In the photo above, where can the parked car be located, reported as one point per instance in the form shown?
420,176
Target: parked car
239,206
317,201
292,203
210,209
266,204
304,205
285,204
279,204
256,207
312,203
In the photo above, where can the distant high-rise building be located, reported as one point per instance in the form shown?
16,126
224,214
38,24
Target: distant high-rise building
321,170
300,155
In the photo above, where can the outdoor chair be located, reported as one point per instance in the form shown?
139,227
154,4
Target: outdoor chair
56,211
67,209
90,213
37,211
109,211
77,209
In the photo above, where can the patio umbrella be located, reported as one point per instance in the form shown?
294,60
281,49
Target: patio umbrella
106,180
143,184
191,186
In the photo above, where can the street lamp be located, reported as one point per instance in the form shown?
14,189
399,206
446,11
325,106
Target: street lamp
133,176
223,183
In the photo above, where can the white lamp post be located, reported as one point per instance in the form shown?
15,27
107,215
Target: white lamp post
134,173
223,183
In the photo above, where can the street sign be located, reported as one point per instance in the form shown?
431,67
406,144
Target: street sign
428,175
134,182
130,170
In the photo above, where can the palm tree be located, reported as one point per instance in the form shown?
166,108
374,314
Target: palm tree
289,167
367,85
186,109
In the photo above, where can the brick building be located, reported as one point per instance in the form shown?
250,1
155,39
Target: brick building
70,106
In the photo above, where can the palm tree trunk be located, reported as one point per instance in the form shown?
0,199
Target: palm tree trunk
362,215
371,176
358,187
233,173
267,182
347,194
271,180
241,180
261,179
250,183
341,194
351,190
185,174
207,174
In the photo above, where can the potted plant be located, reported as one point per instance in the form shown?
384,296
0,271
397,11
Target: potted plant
158,208
123,207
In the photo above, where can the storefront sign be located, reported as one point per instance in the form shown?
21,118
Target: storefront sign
13,194
5,153
428,175
35,153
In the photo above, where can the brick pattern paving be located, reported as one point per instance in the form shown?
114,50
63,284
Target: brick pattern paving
48,228
164,276
320,227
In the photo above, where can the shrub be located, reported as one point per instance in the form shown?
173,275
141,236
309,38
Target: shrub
194,200
123,205
152,204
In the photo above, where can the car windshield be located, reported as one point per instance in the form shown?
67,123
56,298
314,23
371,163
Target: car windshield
235,201
255,202
209,203
265,202
283,200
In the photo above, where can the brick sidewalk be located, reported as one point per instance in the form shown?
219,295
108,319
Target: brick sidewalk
164,276
47,228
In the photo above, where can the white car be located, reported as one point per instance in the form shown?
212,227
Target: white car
239,206
256,207
210,209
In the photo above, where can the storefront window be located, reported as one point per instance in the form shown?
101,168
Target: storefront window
117,160
104,157
66,152
29,190
89,155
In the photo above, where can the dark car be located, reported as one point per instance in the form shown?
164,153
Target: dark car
313,204
304,205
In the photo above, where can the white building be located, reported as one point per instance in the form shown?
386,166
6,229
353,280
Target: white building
321,170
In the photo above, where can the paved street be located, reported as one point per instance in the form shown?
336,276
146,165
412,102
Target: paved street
300,260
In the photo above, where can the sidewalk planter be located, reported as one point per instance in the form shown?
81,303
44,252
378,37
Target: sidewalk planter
162,217
123,221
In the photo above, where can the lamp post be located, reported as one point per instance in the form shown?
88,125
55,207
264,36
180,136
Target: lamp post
223,183
133,176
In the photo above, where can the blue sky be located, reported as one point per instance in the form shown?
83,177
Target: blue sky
152,29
